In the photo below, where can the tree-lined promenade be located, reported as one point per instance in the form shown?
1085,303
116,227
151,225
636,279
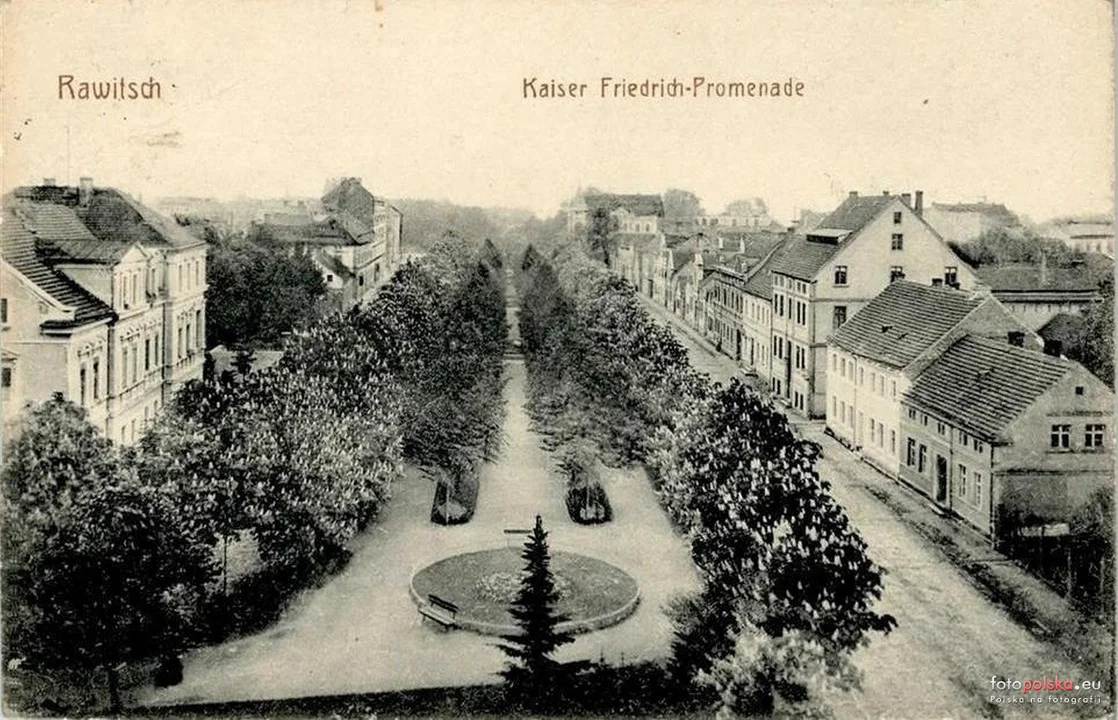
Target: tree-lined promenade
116,555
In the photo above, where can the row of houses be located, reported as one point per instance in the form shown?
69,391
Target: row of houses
352,237
102,300
934,372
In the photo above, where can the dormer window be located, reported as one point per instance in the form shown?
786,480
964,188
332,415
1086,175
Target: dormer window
951,276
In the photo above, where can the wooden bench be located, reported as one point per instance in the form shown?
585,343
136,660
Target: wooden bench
441,611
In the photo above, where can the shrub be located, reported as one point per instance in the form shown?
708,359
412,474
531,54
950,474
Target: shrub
459,507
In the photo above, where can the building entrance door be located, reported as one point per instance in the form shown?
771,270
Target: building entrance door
941,479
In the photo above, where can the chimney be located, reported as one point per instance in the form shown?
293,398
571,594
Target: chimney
48,182
906,198
853,194
85,190
919,207
885,193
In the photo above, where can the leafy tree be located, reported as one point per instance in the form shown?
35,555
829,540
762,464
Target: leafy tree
258,292
76,519
776,553
748,206
532,674
1093,345
681,204
601,237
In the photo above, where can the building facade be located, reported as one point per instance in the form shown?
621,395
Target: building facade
352,237
1006,438
104,303
874,357
821,280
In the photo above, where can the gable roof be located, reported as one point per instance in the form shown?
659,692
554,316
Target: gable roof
982,385
350,196
996,212
1020,277
759,283
113,216
19,248
636,204
855,212
903,321
802,258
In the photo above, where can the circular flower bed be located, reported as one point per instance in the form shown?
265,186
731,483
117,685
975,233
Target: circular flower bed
592,594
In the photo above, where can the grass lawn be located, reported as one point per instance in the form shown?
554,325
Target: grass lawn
483,584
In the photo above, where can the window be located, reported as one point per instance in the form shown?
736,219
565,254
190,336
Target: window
978,446
1078,388
179,351
862,376
1060,437
197,277
941,429
198,341
893,442
361,280
1094,436
911,414
951,275
6,380
96,378
329,278
840,274
124,368
844,367
922,460
897,242
834,362
924,419
4,312
910,453
839,316
180,278
977,488
147,354
135,364
896,272
897,218
82,382
961,490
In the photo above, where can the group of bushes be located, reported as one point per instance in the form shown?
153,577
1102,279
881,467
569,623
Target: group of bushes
787,588
116,554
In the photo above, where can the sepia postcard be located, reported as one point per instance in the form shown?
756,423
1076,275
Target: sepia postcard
391,358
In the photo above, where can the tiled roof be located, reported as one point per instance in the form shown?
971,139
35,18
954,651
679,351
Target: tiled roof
855,212
802,258
636,204
983,385
996,212
903,321
1030,278
18,244
350,196
333,264
113,216
760,283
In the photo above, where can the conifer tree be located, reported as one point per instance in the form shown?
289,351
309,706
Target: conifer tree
533,675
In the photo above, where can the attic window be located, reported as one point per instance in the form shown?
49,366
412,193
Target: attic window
1078,389
886,328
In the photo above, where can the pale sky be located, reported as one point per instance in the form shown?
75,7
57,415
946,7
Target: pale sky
1008,100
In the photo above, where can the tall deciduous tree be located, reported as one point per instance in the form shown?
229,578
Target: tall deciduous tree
532,673
776,553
